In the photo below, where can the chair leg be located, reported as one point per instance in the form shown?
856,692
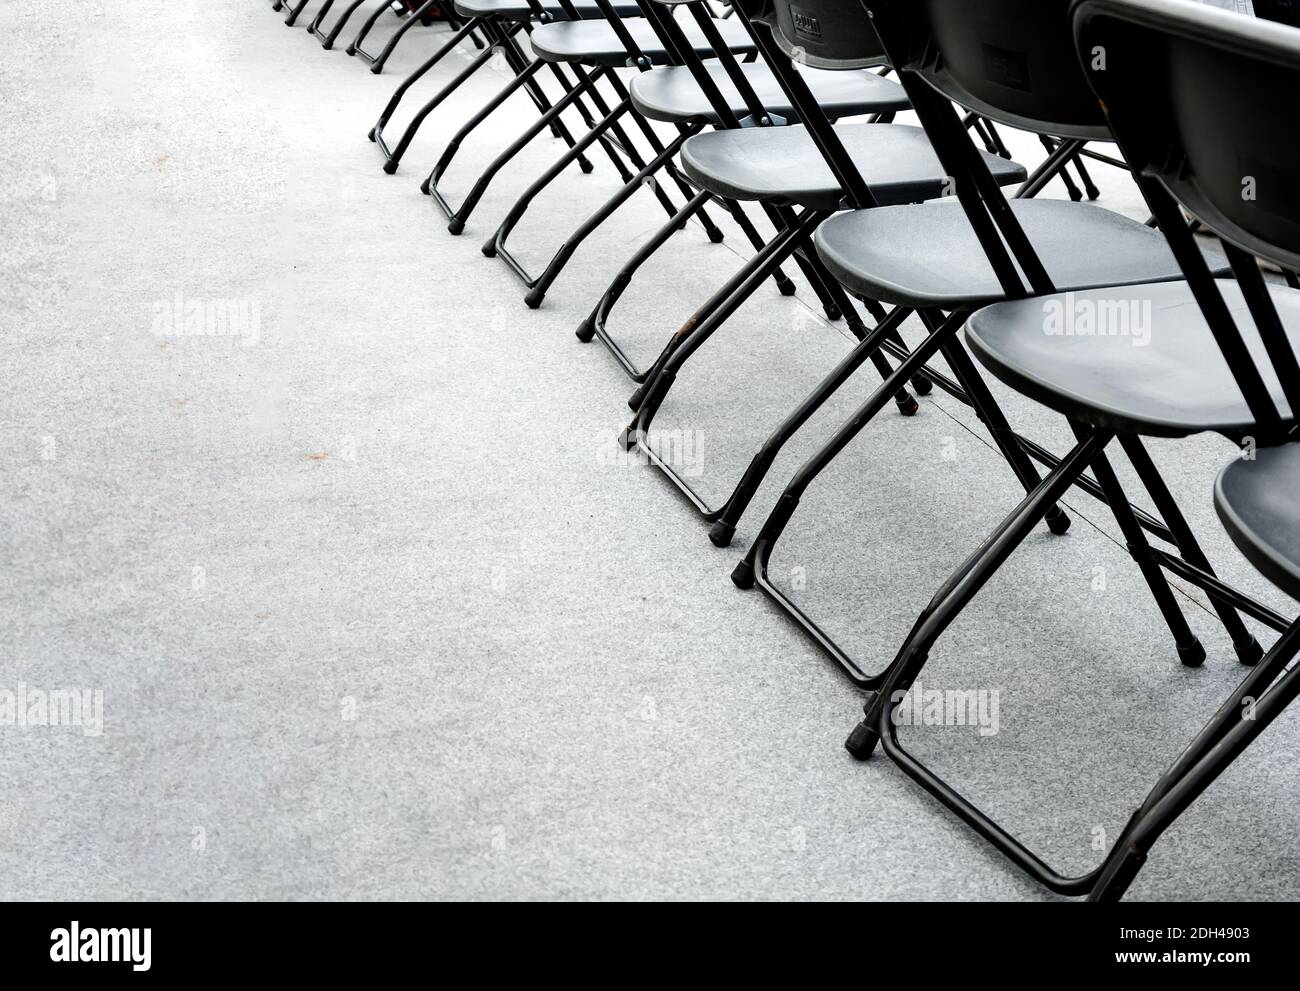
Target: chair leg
594,325
376,133
314,26
1247,647
1190,650
328,41
719,308
959,589
292,17
724,528
538,287
382,9
1233,728
412,19
457,216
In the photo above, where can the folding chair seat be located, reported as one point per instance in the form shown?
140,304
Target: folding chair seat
520,10
1258,501
1170,380
784,164
595,42
927,255
672,94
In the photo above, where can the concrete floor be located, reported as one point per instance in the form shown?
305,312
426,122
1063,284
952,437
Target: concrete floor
375,607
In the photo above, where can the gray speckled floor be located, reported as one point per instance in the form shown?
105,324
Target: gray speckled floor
377,613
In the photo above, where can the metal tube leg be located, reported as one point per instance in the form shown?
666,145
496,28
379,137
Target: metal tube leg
1190,650
333,36
365,28
720,307
784,284
394,158
962,586
725,527
415,77
990,413
587,329
292,17
561,258
907,405
412,19
1247,647
775,524
324,9
1130,853
638,396
520,206
457,217
482,114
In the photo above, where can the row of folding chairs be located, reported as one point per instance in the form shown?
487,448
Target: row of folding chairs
777,117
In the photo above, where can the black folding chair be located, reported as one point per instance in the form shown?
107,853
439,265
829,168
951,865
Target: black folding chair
593,48
943,264
821,168
1189,94
499,21
692,94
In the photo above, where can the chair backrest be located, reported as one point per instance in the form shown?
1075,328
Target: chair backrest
1207,102
1202,103
1010,60
826,34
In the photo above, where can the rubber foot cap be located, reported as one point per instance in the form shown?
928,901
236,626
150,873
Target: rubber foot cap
909,406
1058,521
455,226
534,299
634,400
922,386
721,533
1250,654
833,313
586,167
742,575
861,743
585,332
715,236
390,167
371,135
787,287
1193,655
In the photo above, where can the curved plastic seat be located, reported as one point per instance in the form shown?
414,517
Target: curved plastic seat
928,254
518,10
595,43
783,164
672,94
1259,504
1136,359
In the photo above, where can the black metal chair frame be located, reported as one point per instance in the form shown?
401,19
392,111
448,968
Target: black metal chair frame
501,37
608,132
1227,733
884,340
679,49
